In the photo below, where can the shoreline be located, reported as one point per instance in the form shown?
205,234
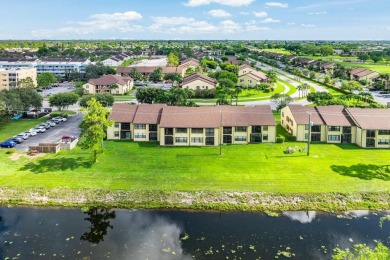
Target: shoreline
194,200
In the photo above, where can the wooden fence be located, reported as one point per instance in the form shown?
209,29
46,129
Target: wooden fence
45,148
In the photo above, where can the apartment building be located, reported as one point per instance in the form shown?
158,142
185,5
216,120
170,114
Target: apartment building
198,81
250,77
364,74
113,84
56,66
192,126
368,128
9,77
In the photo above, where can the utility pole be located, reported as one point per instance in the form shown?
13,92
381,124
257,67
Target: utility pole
220,134
309,135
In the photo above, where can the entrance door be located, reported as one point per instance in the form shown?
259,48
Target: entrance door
315,137
125,135
346,138
370,142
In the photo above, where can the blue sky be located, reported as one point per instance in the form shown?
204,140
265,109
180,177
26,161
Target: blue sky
196,19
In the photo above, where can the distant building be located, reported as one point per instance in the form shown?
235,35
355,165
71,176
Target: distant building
9,77
364,74
250,77
56,66
198,81
106,83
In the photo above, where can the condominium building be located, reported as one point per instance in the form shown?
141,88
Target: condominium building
192,126
56,66
113,84
369,128
9,77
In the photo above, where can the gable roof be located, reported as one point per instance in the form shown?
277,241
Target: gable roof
256,75
108,80
301,115
369,118
201,77
335,115
148,114
123,112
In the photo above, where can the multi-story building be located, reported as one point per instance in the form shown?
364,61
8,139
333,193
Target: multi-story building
192,126
198,81
250,77
113,84
57,66
9,77
335,124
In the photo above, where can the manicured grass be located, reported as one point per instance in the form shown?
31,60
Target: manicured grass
124,98
381,68
260,167
128,62
281,51
11,127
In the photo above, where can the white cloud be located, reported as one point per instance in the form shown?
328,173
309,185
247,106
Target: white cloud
308,25
277,4
251,22
235,3
290,23
260,14
301,216
96,23
228,26
256,28
270,20
244,13
317,13
219,13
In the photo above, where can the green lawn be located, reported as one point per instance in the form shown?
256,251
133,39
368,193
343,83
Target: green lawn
11,127
381,68
281,51
124,98
261,167
128,62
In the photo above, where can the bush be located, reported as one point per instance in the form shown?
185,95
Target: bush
280,139
58,113
11,151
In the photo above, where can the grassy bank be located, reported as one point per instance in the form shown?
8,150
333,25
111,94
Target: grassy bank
11,127
177,173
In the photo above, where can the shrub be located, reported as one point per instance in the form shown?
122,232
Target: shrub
57,113
280,139
11,151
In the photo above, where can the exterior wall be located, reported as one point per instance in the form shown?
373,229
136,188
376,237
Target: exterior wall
288,121
198,84
111,132
12,76
93,89
247,81
110,62
188,135
245,71
359,136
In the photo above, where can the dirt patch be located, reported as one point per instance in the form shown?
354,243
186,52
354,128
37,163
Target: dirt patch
17,156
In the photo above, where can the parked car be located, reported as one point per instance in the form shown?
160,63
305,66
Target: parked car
8,144
31,132
57,121
39,129
22,135
17,139
60,118
44,125
51,123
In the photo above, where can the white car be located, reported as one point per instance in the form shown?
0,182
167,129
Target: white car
22,135
31,132
51,123
39,129
60,118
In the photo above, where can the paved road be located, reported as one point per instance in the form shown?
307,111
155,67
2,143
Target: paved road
63,87
54,134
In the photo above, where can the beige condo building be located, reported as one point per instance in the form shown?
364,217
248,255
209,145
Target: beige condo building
9,77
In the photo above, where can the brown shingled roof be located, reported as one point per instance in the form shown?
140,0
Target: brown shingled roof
148,114
368,118
123,112
198,76
335,115
108,80
256,75
301,115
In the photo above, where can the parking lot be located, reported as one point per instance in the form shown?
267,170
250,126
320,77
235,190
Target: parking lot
62,87
54,134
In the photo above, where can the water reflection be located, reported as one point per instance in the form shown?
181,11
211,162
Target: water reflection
301,216
100,222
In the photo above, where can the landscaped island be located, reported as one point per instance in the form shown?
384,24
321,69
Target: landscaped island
245,177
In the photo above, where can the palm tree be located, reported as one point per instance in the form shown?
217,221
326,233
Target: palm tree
237,92
385,78
272,77
305,88
366,96
299,88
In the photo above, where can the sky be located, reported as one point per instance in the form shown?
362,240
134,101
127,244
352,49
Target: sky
195,19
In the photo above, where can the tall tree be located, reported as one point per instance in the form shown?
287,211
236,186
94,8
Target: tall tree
173,59
156,75
93,128
45,79
272,77
63,100
281,100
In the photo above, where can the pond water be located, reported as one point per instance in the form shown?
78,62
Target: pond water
51,233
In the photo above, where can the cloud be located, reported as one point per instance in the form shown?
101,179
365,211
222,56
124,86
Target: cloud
317,13
244,13
270,20
228,26
260,14
308,25
256,28
235,3
301,216
96,23
277,4
290,23
219,13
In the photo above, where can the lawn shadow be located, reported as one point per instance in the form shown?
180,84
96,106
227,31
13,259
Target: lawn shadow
196,155
364,171
56,164
349,147
148,144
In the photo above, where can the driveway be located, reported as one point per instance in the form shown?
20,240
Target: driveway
54,134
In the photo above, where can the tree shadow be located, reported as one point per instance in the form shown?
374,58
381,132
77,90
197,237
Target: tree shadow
100,222
56,164
364,171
